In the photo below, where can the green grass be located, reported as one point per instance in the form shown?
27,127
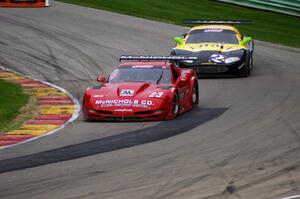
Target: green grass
268,26
12,99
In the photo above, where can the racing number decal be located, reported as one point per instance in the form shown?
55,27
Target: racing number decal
156,94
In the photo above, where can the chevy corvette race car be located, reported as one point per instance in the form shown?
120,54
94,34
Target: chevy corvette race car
143,88
219,46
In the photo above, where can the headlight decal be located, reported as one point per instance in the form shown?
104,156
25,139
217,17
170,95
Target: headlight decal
230,60
188,61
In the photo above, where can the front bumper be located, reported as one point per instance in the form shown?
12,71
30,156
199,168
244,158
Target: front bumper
149,115
214,68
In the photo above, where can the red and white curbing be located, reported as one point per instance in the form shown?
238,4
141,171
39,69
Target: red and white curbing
57,108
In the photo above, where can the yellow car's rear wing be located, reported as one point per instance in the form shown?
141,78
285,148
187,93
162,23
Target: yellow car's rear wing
24,3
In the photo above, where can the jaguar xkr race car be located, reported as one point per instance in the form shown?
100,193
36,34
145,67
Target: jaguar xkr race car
219,46
144,88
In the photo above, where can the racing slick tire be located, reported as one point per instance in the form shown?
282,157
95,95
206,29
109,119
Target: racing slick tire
251,63
195,94
246,70
175,105
85,115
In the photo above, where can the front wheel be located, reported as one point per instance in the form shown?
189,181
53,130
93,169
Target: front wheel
246,70
85,115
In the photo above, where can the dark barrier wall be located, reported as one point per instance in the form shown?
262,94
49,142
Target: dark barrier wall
290,7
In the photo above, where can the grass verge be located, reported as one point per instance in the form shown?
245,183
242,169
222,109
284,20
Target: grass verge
268,26
12,101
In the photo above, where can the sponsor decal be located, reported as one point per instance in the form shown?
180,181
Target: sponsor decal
217,58
124,102
213,30
127,92
123,110
142,66
208,63
98,96
187,91
181,96
150,57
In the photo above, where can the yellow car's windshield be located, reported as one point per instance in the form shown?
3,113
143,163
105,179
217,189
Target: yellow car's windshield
212,36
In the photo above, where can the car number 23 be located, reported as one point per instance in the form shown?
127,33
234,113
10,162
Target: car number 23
156,94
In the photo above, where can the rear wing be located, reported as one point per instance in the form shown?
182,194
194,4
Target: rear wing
218,22
24,3
170,58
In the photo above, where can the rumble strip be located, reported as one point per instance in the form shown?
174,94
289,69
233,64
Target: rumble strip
56,108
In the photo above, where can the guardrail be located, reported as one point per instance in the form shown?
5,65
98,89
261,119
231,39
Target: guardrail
290,7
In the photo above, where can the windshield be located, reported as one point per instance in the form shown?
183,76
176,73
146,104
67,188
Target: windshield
212,36
159,75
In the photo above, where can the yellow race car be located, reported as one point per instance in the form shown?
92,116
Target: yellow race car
219,46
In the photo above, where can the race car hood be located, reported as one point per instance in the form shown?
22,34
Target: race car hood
212,56
128,94
209,46
126,89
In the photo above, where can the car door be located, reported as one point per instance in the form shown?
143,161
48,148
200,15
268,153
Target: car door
181,79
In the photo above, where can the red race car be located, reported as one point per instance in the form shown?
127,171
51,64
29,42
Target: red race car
143,88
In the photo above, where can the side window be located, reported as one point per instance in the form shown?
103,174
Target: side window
174,73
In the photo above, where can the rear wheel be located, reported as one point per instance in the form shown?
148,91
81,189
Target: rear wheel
175,105
195,95
251,63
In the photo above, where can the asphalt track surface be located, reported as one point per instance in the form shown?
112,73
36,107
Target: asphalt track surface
242,141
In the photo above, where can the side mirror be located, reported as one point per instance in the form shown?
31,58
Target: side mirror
246,40
178,40
101,79
182,36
